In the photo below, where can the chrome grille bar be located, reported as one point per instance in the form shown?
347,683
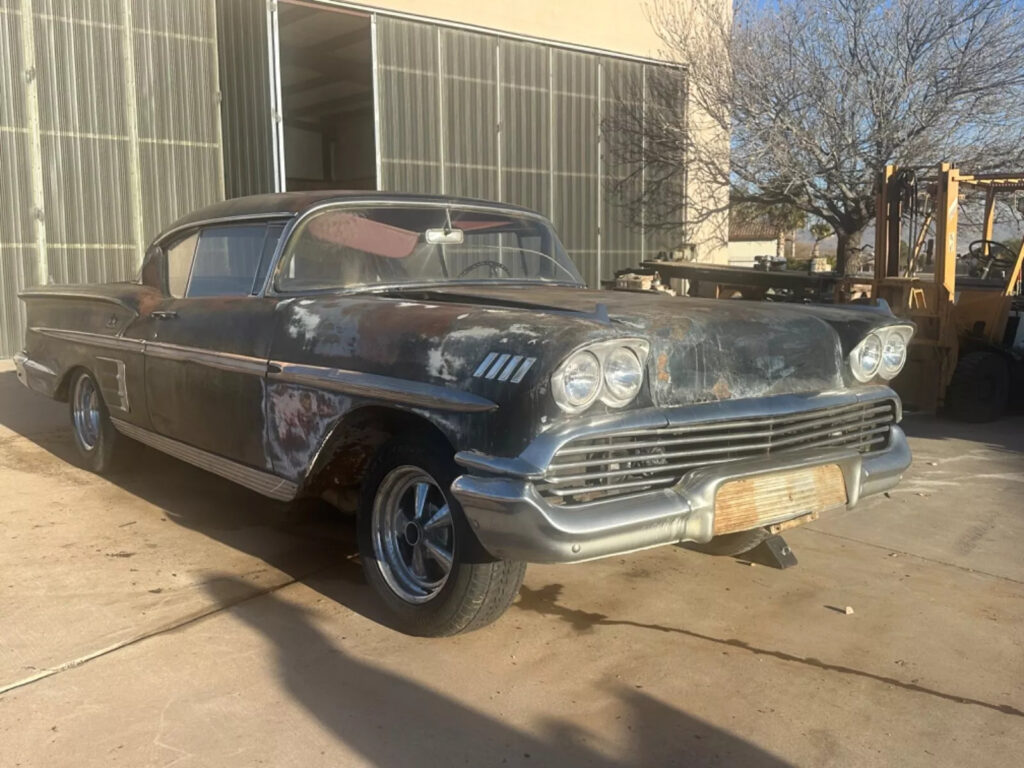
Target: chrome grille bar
777,426
642,459
661,468
757,448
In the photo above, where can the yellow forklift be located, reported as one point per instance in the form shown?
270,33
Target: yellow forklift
967,357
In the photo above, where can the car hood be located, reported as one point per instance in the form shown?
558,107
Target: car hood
701,349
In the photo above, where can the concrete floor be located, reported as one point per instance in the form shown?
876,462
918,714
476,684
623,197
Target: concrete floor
165,616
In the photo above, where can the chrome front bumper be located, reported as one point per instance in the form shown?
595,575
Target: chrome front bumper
514,522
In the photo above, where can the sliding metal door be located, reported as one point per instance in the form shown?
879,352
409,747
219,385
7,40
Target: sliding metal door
250,77
470,114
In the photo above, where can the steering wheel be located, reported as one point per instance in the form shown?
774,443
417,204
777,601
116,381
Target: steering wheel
494,265
999,256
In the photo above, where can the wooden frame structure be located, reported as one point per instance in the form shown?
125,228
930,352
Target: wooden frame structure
949,311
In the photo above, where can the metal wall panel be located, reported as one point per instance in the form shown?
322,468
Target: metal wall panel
178,17
16,227
576,187
622,245
469,99
18,266
409,106
665,100
245,97
109,130
79,53
525,124
179,128
177,193
478,115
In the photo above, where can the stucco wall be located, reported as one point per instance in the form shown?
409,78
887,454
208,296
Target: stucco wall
741,253
613,25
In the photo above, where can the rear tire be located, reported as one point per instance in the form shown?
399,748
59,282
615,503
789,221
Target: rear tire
980,388
97,442
733,544
418,552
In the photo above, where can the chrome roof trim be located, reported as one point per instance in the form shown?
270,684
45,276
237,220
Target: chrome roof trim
239,218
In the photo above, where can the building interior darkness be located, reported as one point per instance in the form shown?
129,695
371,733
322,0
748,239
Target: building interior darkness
327,98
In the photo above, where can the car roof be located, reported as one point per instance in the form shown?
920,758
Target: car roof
289,204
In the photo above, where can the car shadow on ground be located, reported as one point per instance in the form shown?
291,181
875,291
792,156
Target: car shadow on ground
380,714
300,539
360,704
387,718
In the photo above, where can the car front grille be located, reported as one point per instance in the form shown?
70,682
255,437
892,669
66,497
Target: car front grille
587,468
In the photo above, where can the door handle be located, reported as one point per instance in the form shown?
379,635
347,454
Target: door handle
164,314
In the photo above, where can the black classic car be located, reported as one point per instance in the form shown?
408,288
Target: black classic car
439,367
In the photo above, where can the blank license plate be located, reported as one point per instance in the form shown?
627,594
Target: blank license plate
766,499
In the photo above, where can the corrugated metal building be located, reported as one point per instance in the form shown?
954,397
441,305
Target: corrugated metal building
118,116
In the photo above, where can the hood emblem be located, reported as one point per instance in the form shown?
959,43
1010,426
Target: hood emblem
504,367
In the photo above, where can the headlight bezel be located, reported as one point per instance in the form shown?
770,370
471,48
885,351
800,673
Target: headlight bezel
560,390
601,350
882,337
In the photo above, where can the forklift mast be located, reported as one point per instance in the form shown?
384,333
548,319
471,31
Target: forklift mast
955,315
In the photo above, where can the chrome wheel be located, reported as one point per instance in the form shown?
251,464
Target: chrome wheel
412,534
85,410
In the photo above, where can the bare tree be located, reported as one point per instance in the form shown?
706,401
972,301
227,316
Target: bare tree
820,230
817,97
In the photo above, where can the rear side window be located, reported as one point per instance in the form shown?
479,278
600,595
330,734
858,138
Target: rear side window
179,264
227,261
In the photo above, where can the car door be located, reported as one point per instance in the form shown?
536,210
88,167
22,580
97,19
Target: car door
207,342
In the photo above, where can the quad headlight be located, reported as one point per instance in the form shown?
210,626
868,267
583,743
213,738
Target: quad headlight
612,371
580,381
881,353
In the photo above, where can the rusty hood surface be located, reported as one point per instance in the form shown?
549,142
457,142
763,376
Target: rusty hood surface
701,350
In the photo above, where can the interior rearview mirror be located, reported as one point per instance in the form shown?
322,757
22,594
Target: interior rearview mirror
445,236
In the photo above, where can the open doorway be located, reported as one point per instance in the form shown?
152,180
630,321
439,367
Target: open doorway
327,98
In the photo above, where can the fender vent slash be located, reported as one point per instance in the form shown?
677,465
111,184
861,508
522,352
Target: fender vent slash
587,469
504,367
113,382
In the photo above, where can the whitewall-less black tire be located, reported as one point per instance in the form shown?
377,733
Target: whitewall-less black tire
96,440
416,547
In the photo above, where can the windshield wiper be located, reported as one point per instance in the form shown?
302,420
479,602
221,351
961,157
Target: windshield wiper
552,259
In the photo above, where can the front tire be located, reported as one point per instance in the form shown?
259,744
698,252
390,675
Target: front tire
416,547
95,438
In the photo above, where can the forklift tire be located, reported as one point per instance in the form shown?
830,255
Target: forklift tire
980,388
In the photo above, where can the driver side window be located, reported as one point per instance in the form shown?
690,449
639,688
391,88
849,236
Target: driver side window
228,260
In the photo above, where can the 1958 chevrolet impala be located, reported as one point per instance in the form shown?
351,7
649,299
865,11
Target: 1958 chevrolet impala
439,366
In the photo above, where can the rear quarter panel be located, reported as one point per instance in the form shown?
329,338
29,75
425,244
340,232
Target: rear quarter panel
89,327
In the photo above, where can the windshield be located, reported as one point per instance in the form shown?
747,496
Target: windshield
349,247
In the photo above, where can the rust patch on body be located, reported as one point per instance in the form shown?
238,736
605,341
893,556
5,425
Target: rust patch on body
721,389
663,374
680,329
